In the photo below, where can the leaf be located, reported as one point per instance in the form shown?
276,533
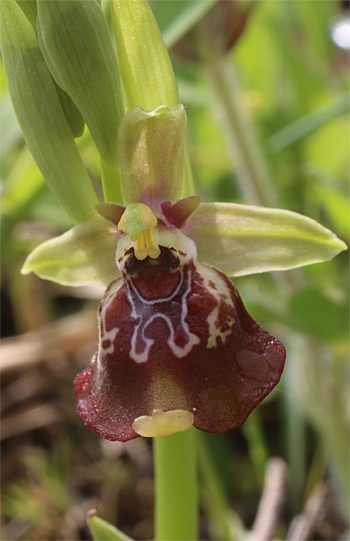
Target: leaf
103,531
84,255
309,123
76,38
176,18
72,113
145,67
41,116
151,155
242,239
29,9
315,313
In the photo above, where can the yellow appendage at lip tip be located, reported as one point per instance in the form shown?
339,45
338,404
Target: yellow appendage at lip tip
163,423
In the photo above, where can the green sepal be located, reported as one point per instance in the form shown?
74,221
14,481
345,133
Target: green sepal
150,146
101,530
84,255
40,114
76,38
145,67
242,239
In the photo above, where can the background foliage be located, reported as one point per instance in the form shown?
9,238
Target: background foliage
287,83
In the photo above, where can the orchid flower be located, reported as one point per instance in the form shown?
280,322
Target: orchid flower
176,345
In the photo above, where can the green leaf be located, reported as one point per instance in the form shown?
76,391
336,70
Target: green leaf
72,113
176,18
151,155
242,239
103,531
41,116
225,523
29,9
308,123
84,255
145,67
76,38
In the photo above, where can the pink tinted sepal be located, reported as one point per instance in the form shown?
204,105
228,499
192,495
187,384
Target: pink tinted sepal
175,335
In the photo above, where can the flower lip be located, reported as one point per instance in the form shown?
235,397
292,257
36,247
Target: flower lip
167,260
174,335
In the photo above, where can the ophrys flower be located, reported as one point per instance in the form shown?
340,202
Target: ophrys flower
176,346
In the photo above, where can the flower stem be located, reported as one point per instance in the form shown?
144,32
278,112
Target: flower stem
176,505
255,182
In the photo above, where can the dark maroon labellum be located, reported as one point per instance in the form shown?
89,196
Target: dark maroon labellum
175,335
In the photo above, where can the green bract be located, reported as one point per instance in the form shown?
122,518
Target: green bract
73,115
30,10
145,67
236,239
40,114
80,55
103,531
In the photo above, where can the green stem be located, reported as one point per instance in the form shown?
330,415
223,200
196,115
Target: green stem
257,445
176,505
225,523
254,178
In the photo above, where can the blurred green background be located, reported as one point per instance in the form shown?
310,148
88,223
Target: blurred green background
265,84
